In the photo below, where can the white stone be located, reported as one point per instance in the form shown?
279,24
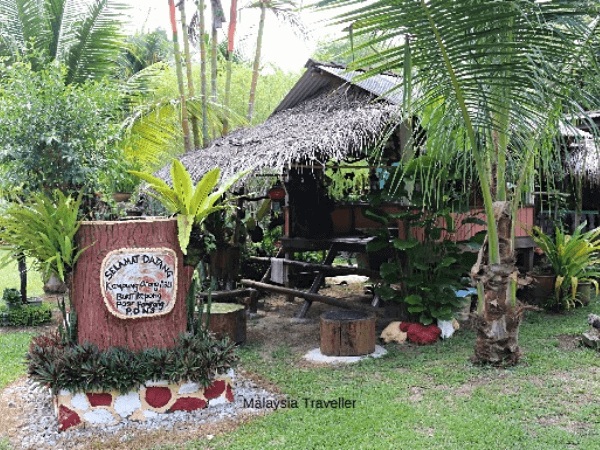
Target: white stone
447,328
317,356
231,374
126,404
218,401
64,392
79,401
99,416
151,414
189,388
157,383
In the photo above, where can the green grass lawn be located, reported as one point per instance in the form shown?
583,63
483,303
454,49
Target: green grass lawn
434,398
427,397
13,347
9,278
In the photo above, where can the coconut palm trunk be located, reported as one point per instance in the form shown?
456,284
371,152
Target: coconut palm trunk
188,66
256,64
488,85
179,71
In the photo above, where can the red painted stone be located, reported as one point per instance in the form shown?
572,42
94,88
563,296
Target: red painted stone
67,418
188,404
421,334
215,390
157,397
99,399
229,394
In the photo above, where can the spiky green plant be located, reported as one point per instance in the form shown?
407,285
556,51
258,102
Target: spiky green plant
574,259
191,203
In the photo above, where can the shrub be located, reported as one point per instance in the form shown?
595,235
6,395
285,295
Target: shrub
28,316
55,362
11,296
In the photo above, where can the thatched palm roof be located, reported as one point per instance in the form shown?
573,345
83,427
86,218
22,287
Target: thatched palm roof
333,123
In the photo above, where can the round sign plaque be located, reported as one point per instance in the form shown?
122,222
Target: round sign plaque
139,282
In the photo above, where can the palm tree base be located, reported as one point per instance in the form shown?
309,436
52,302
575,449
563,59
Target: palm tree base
498,337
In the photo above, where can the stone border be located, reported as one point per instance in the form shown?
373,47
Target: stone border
156,398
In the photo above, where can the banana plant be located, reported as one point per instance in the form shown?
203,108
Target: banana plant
192,204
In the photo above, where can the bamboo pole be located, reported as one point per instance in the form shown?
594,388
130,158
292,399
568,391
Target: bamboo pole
188,65
179,71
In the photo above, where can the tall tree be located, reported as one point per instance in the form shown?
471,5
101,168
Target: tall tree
85,36
177,54
492,79
284,10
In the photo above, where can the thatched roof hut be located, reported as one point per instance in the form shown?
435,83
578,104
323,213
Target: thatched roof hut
324,116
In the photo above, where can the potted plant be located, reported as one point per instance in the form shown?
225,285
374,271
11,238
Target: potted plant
121,182
574,260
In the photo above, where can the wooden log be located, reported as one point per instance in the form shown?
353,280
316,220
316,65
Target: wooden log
228,320
347,333
106,326
226,295
334,270
307,295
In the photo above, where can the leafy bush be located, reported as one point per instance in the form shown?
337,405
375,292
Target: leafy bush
55,362
28,316
423,274
11,296
55,135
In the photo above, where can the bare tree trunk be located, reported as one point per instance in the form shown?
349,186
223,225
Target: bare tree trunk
188,65
184,115
261,27
22,264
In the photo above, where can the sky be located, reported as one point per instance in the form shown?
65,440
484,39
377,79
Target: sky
281,46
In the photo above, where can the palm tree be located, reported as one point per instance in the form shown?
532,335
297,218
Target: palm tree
493,79
83,35
284,10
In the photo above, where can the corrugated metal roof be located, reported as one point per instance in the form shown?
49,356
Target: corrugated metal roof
319,75
379,85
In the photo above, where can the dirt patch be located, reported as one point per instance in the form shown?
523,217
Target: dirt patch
276,325
568,342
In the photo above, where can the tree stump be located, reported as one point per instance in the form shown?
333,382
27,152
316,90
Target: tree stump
130,284
227,319
347,333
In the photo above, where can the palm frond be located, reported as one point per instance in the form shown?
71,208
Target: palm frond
94,44
22,21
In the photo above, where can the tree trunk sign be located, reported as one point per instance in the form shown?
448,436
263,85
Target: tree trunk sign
139,282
